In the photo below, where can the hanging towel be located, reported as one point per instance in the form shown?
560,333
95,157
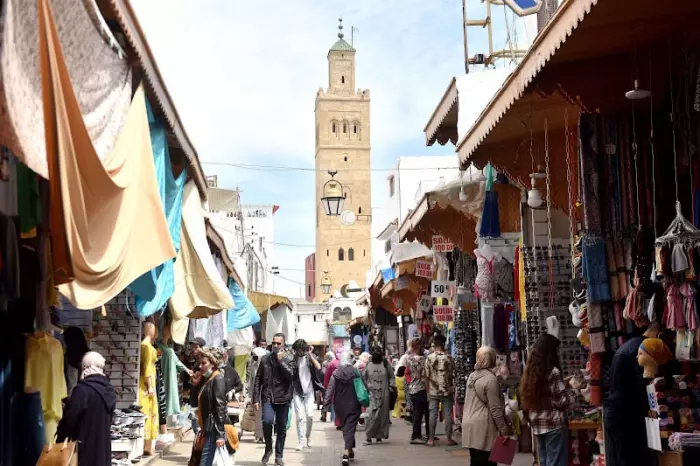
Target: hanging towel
154,288
107,218
200,292
595,270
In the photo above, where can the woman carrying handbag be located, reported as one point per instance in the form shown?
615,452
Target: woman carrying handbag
87,418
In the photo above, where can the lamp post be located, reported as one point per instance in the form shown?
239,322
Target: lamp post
326,283
333,196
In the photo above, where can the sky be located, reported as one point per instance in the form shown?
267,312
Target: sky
244,76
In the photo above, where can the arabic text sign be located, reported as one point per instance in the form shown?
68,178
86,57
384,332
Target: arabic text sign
424,269
442,244
444,313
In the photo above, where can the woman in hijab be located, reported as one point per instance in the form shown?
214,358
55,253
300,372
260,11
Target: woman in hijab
362,361
212,414
484,417
76,348
341,393
379,379
87,417
330,357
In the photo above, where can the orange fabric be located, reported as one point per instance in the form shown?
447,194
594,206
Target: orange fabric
108,220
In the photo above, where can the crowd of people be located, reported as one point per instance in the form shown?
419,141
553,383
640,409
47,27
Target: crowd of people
350,388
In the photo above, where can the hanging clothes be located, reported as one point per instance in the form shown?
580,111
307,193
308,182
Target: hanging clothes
590,177
674,315
595,271
484,284
107,218
490,221
690,311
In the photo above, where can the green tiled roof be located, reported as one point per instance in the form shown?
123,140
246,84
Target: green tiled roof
342,46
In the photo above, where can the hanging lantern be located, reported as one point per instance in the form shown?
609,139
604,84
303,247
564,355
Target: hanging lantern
326,283
333,196
534,197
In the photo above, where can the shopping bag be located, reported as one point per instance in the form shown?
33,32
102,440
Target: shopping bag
59,454
360,390
222,458
248,419
503,450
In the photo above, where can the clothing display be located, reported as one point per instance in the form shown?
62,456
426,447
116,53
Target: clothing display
44,374
148,402
91,63
484,286
170,366
161,397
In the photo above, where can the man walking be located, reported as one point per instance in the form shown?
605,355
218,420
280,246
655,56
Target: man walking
273,390
439,374
193,384
306,384
415,361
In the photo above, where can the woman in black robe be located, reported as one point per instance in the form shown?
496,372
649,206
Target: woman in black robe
87,417
341,393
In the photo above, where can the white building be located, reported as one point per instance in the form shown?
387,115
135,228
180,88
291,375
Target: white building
311,321
259,227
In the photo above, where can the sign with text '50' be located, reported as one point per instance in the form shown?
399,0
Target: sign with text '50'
442,244
440,288
444,313
424,269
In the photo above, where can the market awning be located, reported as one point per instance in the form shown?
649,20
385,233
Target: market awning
264,301
586,42
461,104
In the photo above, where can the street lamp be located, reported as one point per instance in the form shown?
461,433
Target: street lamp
333,197
326,283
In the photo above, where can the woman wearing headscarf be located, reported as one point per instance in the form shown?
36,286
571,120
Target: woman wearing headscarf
324,368
87,417
76,348
379,378
484,417
212,415
362,361
341,393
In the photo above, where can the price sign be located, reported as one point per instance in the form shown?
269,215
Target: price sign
424,269
424,303
442,244
444,313
440,288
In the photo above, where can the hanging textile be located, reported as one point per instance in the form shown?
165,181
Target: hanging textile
243,314
154,288
490,224
590,185
107,220
595,271
100,76
199,290
215,331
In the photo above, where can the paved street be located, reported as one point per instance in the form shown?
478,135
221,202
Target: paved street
327,450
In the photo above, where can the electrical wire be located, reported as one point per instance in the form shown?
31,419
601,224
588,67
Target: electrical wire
289,244
309,169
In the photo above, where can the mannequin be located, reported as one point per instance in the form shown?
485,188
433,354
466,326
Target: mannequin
484,286
653,353
147,387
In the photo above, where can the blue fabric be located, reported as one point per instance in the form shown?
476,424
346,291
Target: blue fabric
595,270
388,274
244,314
696,207
490,221
154,288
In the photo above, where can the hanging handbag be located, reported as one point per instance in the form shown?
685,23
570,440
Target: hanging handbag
59,454
360,390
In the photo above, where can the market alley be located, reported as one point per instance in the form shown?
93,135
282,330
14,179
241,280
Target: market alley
327,450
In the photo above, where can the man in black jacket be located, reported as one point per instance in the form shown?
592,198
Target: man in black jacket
273,390
306,384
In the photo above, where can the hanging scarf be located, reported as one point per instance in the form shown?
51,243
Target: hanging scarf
591,195
595,270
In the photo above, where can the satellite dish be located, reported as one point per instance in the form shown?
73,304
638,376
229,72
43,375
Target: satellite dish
344,289
348,217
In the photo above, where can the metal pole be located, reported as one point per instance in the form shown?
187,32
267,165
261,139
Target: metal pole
465,27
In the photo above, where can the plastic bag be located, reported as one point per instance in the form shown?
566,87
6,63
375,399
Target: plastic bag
222,458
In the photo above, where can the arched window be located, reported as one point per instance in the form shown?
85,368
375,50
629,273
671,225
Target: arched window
345,127
359,210
328,253
354,129
342,79
337,314
333,127
341,254
351,254
364,253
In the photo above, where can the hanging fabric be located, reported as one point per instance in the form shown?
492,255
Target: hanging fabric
590,177
107,219
595,269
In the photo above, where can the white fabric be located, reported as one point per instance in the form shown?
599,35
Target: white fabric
409,250
93,363
199,290
100,77
242,340
305,375
279,321
304,412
